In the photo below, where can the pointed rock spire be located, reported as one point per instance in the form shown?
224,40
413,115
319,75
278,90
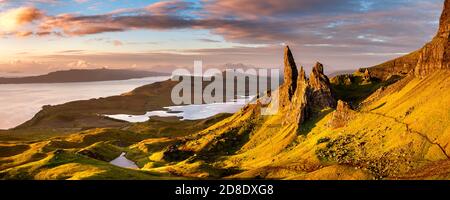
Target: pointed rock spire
290,72
301,75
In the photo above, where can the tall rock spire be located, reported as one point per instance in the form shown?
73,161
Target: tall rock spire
436,54
290,72
290,78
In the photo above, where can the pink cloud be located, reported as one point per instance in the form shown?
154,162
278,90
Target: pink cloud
168,7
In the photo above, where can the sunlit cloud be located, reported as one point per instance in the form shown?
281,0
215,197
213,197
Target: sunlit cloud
13,19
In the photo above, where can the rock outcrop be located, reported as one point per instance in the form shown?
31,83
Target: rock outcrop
436,54
321,94
367,76
399,66
300,97
344,79
342,115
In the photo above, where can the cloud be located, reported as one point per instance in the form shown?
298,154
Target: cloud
266,22
271,8
209,40
165,7
82,64
13,19
24,66
30,1
331,31
23,33
73,25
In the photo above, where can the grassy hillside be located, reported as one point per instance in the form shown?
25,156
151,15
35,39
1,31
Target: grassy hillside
400,134
389,138
85,154
401,131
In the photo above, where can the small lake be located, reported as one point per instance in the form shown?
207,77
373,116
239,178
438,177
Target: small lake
122,161
20,102
188,112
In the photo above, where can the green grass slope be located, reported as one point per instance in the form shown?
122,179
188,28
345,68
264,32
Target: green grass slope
86,154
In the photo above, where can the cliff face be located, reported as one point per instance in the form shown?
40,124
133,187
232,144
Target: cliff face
433,56
444,27
300,97
436,54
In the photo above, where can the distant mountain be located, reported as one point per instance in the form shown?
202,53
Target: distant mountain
82,75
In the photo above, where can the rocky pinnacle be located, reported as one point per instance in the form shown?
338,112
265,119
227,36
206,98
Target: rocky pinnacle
290,72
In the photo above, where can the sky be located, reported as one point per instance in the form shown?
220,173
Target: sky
39,36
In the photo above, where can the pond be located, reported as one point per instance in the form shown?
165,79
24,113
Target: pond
122,161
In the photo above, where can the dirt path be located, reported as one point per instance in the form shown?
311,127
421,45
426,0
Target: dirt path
423,135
